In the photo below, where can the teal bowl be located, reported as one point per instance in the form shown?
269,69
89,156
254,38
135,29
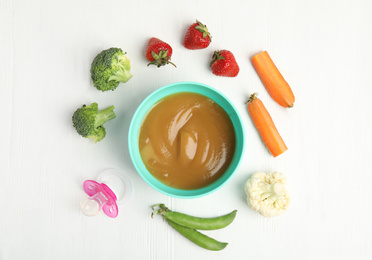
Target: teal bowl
149,102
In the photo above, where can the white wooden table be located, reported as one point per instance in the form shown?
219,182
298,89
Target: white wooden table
323,48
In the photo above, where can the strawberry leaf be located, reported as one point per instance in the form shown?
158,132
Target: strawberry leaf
203,29
216,56
161,59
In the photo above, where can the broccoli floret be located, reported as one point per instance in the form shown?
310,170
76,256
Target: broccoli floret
88,121
109,68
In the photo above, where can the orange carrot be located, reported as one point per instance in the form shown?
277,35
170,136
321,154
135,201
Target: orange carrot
265,126
273,80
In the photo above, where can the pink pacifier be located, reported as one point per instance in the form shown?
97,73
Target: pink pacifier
113,188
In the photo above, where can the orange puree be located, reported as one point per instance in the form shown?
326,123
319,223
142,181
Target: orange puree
187,141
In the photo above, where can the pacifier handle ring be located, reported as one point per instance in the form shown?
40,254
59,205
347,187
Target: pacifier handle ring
122,180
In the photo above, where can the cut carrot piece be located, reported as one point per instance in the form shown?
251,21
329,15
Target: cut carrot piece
273,80
265,126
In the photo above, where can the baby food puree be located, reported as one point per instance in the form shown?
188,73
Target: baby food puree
187,141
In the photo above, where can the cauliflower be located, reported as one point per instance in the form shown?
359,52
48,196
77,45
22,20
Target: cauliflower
266,193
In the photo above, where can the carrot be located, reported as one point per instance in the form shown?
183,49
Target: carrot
265,126
273,80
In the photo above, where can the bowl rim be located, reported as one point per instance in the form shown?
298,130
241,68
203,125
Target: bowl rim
143,109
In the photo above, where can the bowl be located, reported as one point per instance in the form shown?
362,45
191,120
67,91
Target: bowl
149,102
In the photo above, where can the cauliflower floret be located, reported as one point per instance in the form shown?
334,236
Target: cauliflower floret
267,194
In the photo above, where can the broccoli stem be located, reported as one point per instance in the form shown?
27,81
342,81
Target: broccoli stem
104,115
122,75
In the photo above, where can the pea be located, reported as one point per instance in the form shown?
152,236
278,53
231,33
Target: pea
196,222
187,226
198,238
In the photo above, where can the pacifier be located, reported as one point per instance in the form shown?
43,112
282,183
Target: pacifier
111,189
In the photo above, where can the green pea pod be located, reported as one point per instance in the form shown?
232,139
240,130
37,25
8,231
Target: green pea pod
198,238
196,222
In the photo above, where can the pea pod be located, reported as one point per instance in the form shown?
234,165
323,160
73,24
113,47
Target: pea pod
195,222
198,238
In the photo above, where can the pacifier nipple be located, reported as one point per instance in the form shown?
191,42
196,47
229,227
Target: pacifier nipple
90,207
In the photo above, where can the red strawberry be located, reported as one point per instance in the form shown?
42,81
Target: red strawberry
197,37
158,52
224,64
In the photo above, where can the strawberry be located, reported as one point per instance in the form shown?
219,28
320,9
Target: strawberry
197,37
158,52
224,64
